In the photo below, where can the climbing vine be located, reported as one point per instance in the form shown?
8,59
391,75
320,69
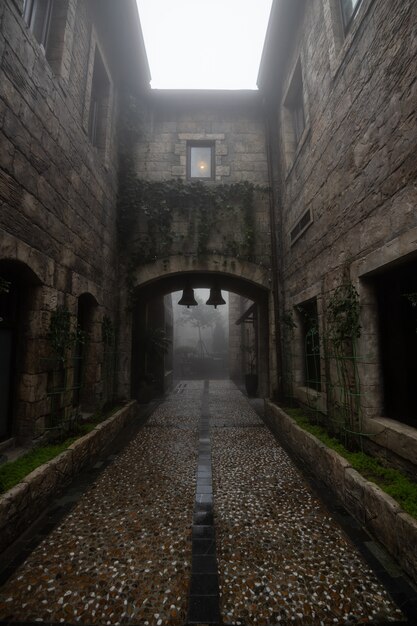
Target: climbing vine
343,330
159,219
150,207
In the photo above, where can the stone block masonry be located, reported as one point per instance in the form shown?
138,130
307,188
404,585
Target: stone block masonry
21,505
372,507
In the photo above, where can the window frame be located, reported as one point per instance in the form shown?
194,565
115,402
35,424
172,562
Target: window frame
346,24
29,15
203,143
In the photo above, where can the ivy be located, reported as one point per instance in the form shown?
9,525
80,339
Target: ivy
60,335
343,315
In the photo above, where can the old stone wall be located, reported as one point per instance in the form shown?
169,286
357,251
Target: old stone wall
238,227
347,186
57,190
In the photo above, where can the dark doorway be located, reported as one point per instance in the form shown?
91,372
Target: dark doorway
8,338
397,309
17,290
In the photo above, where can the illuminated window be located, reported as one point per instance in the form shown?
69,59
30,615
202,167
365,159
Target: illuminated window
200,160
349,8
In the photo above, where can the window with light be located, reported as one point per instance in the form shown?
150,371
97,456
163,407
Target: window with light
200,160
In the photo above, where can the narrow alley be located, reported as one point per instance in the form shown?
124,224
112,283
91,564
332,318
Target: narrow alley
202,518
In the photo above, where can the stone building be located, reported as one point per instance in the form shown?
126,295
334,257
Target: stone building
63,66
338,80
300,198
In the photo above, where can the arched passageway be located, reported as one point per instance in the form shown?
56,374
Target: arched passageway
250,282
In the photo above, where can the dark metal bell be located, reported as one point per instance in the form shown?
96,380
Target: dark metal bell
216,297
187,298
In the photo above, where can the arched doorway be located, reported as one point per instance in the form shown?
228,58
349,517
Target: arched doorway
154,289
18,286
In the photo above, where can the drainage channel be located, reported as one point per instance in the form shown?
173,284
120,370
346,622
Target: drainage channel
204,586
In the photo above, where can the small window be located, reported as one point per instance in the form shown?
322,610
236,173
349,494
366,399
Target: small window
301,226
200,160
294,120
295,104
99,103
47,19
37,15
349,9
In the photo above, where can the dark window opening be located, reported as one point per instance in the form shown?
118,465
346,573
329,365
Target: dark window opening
200,160
295,104
99,102
349,9
311,344
301,226
47,21
397,312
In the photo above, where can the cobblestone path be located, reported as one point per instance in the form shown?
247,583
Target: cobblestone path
126,554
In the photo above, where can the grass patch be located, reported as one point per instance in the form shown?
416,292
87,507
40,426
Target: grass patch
392,481
12,473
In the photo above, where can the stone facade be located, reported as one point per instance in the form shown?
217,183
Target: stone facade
58,188
345,191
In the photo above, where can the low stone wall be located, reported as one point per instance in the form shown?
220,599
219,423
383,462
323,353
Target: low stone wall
22,504
372,507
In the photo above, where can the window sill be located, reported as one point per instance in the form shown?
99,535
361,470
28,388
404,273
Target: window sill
396,436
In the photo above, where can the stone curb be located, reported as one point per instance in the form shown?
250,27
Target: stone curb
371,506
22,504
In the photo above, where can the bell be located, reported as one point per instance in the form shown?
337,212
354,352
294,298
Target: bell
188,298
216,297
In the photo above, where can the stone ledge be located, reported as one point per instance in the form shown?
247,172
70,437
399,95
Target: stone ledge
371,506
21,505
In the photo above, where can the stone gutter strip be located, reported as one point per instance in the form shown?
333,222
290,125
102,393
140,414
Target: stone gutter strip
21,505
372,507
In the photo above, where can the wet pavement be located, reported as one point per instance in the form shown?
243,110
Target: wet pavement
201,518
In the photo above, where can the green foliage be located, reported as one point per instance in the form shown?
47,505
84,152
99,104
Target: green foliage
343,315
202,206
60,335
13,472
390,480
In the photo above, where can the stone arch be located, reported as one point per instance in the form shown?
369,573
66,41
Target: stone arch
223,266
22,385
168,275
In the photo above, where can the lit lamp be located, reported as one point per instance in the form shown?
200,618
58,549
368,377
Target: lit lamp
216,298
187,298
202,166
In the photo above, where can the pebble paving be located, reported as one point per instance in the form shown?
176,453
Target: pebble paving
282,559
123,554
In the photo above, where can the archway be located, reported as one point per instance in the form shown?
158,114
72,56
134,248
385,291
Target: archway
151,283
18,290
